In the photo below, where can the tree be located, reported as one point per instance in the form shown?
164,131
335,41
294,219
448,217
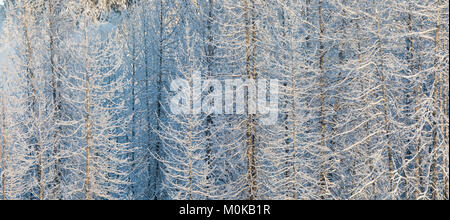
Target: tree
94,82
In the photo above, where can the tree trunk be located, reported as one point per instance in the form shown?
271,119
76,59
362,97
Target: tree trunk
385,98
147,87
437,108
323,174
250,34
35,141
159,98
88,123
210,53
3,144
56,101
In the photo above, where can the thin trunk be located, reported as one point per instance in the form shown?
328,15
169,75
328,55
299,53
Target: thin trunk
3,144
88,193
366,103
191,148
323,174
442,110
210,52
294,132
33,104
285,105
385,99
147,86
418,161
190,164
250,34
445,128
159,98
436,98
415,66
133,92
290,132
56,102
133,102
412,68
294,137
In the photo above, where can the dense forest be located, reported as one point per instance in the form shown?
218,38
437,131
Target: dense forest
87,86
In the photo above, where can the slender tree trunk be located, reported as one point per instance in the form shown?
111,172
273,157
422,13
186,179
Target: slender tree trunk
412,68
415,66
381,73
3,144
323,173
363,81
191,147
437,108
250,34
133,102
56,101
147,87
159,98
210,53
291,169
442,107
286,19
33,103
133,90
294,130
418,162
445,128
88,123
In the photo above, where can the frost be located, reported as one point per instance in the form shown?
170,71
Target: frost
85,94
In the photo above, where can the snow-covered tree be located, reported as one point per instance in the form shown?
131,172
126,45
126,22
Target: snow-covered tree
88,89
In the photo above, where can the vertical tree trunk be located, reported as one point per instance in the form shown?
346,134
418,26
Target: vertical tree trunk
294,130
445,128
412,68
133,141
250,34
442,107
35,141
88,123
290,132
323,173
3,143
210,53
147,86
294,137
133,89
418,162
363,81
159,98
56,101
385,98
191,147
436,100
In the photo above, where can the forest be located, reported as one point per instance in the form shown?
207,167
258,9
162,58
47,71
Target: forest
358,98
